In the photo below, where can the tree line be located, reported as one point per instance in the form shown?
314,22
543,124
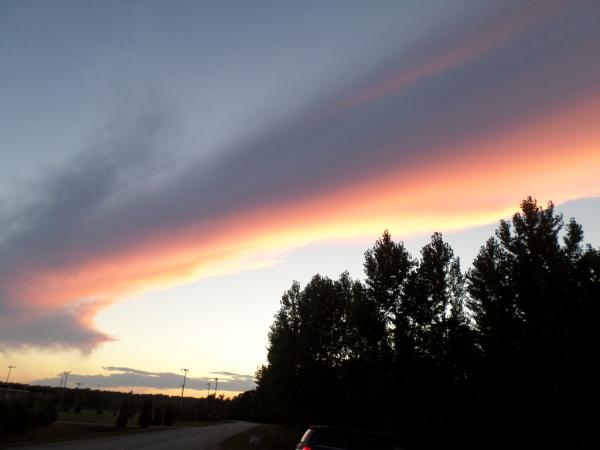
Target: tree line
24,406
504,355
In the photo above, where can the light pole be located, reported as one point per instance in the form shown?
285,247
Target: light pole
62,395
215,400
65,376
185,371
9,369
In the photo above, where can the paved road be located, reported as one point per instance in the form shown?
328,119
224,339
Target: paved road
185,438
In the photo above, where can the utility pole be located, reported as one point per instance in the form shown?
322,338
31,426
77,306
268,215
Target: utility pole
185,371
9,369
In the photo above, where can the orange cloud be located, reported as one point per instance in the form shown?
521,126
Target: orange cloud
555,156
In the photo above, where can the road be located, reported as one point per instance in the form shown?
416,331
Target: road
185,438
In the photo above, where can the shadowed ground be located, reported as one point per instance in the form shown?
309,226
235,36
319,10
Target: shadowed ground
197,438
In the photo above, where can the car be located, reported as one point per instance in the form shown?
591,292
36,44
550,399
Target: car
321,437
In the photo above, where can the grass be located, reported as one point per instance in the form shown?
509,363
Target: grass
107,417
84,416
273,437
58,432
85,424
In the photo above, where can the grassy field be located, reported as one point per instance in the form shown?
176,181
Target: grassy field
64,432
273,437
82,425
106,417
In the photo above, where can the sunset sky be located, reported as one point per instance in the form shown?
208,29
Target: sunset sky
169,168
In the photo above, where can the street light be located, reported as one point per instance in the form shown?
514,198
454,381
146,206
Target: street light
185,371
9,369
215,400
66,374
62,395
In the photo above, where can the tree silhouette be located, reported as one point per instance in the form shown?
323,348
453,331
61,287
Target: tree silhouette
169,418
493,359
123,415
145,418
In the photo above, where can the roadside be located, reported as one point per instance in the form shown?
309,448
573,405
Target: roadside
72,426
266,437
180,438
60,432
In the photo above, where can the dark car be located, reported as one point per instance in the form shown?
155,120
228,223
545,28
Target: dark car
321,437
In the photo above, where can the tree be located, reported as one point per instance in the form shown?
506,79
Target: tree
157,418
169,418
145,418
526,292
123,415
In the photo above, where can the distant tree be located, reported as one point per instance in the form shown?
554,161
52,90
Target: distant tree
145,418
157,419
123,415
169,418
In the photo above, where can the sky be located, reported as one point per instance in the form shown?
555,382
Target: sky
167,169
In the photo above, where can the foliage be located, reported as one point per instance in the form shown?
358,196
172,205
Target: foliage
19,412
145,418
507,349
157,418
169,417
123,416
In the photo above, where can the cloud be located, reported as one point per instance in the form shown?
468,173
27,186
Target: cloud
125,377
70,326
509,22
459,145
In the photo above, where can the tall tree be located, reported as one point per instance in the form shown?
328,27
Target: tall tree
526,298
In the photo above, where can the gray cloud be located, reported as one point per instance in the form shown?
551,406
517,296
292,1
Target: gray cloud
67,327
124,189
128,377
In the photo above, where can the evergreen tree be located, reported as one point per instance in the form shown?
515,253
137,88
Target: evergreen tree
145,418
123,415
169,418
157,418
